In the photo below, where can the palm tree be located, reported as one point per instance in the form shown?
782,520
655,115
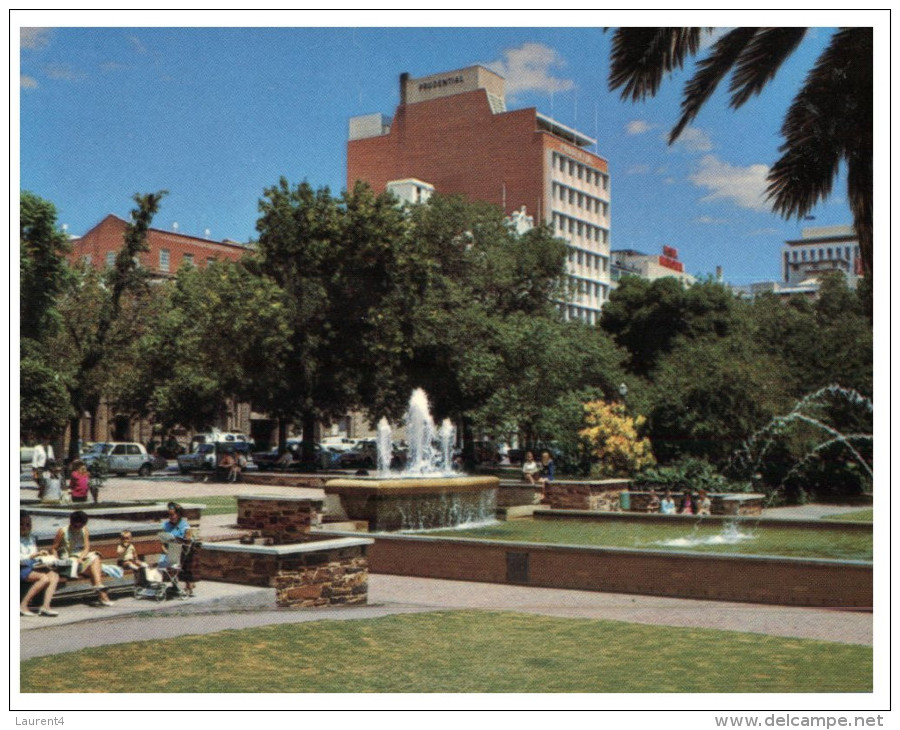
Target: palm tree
829,121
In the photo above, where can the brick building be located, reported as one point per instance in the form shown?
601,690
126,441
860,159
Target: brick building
453,131
168,249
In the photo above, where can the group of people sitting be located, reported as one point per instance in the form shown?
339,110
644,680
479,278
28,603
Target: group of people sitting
534,472
687,505
71,554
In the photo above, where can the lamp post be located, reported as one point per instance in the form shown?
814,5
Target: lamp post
623,391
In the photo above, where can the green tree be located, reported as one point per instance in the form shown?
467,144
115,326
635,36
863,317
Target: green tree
708,396
43,405
828,123
214,334
476,281
647,318
99,313
335,259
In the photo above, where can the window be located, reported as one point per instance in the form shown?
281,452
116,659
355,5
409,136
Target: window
571,196
562,193
87,259
163,259
580,172
134,450
118,450
571,167
188,259
110,258
829,253
210,259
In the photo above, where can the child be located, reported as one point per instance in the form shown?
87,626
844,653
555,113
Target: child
53,492
653,502
705,505
79,482
127,553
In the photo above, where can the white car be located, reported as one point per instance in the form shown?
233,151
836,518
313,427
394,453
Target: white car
339,443
121,457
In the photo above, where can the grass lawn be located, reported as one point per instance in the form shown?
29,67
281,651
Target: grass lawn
864,515
461,651
220,504
708,537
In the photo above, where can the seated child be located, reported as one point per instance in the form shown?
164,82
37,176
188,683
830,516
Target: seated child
127,553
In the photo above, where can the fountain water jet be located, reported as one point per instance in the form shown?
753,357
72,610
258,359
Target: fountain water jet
427,494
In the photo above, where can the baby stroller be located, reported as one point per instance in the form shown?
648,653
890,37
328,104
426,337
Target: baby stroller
165,579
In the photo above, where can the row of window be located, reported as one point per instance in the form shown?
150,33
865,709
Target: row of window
563,224
164,259
591,260
590,288
581,200
572,311
825,254
580,171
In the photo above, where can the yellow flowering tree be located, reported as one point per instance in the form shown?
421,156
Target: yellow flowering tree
614,440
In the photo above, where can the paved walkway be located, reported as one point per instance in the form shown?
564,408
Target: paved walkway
221,606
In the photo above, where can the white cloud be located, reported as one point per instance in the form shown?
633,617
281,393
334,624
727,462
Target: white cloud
638,170
28,82
744,186
136,45
709,220
529,68
34,38
62,72
694,140
639,126
764,232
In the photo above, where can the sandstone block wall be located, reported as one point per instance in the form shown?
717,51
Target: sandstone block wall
283,520
333,584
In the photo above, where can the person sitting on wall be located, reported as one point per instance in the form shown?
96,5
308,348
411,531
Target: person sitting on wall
79,481
74,541
547,472
229,465
653,502
530,469
667,504
704,504
687,503
37,577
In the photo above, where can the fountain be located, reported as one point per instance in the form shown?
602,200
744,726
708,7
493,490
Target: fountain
427,493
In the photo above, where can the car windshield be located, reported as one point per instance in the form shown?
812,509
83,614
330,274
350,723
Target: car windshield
101,449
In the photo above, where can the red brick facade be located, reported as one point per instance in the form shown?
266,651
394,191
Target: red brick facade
106,238
458,145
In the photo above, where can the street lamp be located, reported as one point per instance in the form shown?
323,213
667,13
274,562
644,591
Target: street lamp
623,391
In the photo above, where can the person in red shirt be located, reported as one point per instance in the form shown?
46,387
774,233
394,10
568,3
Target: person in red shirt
79,482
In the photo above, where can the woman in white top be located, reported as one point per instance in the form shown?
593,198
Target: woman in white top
530,469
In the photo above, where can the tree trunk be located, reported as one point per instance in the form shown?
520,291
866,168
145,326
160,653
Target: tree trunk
308,453
282,435
74,437
468,444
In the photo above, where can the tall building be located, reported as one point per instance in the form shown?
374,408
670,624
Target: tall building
453,130
820,250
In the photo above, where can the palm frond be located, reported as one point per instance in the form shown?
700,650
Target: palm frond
760,61
711,70
641,56
830,121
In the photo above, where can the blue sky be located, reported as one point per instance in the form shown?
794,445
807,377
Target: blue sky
215,115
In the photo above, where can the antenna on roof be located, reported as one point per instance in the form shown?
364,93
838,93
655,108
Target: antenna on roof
175,225
207,233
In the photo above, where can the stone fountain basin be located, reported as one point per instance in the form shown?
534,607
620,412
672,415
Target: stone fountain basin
403,503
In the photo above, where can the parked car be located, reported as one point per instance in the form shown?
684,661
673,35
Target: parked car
324,457
121,457
364,454
339,443
206,456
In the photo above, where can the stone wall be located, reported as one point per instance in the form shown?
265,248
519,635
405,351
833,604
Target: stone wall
327,572
600,496
282,519
337,583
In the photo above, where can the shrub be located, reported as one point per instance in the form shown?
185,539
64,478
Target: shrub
614,441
